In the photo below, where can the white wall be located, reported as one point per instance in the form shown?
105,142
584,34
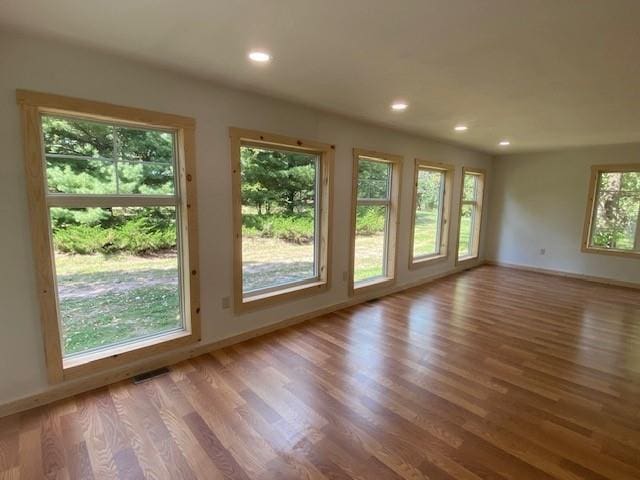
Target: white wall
52,67
539,201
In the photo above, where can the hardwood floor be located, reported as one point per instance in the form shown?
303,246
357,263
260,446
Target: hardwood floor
490,374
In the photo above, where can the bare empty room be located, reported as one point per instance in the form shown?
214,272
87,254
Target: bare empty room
295,239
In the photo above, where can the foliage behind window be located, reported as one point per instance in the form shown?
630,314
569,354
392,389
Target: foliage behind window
278,190
617,211
277,181
85,157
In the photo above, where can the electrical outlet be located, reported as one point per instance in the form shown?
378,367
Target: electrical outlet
543,251
226,302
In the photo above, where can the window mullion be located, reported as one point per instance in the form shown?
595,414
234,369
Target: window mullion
115,158
374,202
594,212
107,201
440,223
385,253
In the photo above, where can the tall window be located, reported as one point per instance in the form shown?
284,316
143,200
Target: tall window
374,218
114,257
432,203
281,195
470,214
613,213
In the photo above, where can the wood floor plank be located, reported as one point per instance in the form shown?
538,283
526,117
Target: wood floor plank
223,459
489,374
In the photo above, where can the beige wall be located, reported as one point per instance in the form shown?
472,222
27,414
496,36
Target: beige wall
539,202
57,68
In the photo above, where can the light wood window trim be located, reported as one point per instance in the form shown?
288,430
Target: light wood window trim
477,227
239,137
394,217
591,211
445,221
32,105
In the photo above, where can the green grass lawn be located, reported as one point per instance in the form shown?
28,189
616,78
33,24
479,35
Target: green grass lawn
368,258
465,234
271,261
425,234
108,299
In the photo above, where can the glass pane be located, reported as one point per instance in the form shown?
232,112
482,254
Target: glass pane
470,187
74,137
465,244
145,178
80,175
426,236
279,233
610,181
617,209
79,156
117,274
631,182
145,161
144,145
373,179
82,157
371,243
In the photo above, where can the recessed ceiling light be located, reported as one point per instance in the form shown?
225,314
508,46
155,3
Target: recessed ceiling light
504,143
399,106
259,56
461,128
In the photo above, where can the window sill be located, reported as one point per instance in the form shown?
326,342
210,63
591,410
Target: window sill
422,261
373,284
83,365
606,251
270,298
468,258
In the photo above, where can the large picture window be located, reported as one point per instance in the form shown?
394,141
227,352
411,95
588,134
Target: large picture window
374,219
112,219
431,211
470,220
281,192
612,223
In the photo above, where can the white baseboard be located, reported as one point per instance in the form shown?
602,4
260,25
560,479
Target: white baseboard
561,273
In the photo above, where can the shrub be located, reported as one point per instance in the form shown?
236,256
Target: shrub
292,228
141,236
370,221
299,228
151,233
138,236
83,239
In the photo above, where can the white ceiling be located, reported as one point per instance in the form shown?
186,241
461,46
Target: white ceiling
541,73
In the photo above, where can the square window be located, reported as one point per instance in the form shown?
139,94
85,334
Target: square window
613,224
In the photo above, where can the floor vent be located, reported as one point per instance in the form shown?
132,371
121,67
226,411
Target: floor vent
143,377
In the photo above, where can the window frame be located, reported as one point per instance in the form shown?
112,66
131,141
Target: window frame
592,197
32,106
478,204
392,231
445,209
277,294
